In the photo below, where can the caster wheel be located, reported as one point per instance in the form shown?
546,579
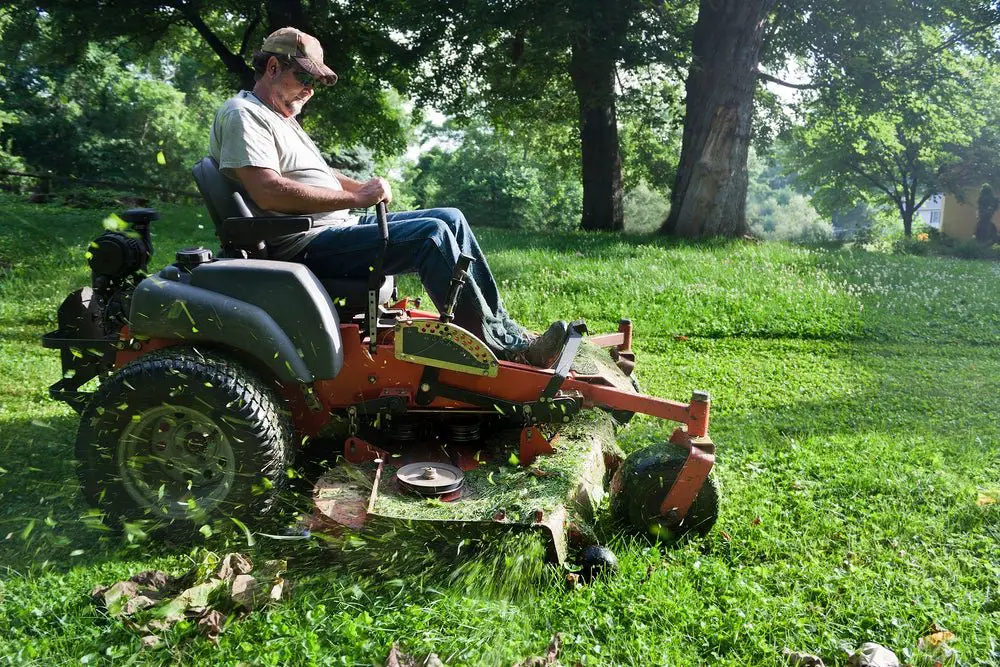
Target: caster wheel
597,561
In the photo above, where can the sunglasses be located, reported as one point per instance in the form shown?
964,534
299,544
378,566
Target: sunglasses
305,78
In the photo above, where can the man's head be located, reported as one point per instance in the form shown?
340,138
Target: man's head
287,68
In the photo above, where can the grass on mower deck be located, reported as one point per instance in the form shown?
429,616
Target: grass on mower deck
504,486
855,401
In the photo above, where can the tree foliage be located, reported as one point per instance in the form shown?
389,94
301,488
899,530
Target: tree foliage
776,210
894,141
529,62
497,180
986,232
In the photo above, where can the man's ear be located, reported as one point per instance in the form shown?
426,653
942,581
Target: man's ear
273,66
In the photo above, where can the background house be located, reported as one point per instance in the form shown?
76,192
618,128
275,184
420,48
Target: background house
959,214
930,212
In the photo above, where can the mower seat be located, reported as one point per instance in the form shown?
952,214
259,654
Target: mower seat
243,228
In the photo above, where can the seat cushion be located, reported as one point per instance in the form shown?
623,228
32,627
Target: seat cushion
351,295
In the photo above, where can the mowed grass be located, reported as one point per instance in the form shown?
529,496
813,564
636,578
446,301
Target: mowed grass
855,403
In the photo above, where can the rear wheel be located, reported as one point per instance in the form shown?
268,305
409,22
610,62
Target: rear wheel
183,437
641,484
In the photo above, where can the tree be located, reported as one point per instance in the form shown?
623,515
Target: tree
221,36
505,59
775,211
986,232
496,181
709,196
893,141
827,38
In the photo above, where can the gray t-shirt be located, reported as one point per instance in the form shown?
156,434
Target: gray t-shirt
247,133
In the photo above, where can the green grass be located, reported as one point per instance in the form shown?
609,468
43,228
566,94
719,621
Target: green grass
855,402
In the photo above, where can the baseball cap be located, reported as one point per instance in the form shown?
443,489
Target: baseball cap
306,50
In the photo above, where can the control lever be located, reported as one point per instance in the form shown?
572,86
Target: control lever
376,279
457,281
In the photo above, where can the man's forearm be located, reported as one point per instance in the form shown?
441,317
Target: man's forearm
348,183
288,196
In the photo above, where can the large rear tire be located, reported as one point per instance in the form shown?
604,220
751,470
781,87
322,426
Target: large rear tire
641,484
183,437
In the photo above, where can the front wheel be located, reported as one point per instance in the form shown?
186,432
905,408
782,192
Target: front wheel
183,436
641,484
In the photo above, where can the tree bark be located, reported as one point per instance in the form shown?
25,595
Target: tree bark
907,215
709,196
592,69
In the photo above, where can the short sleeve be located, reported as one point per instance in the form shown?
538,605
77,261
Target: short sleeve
245,140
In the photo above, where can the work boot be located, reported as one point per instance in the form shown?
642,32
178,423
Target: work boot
542,351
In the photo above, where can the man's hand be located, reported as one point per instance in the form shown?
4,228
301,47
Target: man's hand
372,192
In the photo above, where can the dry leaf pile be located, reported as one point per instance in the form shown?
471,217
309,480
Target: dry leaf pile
151,602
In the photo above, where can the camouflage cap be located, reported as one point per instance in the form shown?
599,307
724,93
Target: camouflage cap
306,50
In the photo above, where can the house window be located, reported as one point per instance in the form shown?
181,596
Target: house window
935,220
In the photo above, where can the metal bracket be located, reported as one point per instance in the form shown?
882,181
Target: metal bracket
564,365
690,478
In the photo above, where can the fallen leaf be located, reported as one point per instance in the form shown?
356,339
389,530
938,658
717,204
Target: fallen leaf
987,498
193,599
397,658
245,592
681,338
211,623
935,639
799,659
551,654
755,522
873,655
152,578
150,641
232,565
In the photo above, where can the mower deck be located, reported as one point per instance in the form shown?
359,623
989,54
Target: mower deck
556,495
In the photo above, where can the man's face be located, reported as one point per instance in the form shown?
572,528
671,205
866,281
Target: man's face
288,93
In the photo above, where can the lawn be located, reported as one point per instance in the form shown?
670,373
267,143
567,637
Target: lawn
854,394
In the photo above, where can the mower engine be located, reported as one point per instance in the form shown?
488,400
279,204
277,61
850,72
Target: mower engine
91,318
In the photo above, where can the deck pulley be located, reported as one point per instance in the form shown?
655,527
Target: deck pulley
430,478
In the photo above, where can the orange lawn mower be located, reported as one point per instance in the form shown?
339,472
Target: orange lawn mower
214,370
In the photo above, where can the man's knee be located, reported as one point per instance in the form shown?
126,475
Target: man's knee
453,217
436,231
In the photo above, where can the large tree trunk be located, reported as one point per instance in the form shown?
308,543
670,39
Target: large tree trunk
592,69
709,196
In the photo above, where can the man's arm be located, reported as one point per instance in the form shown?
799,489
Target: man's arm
272,191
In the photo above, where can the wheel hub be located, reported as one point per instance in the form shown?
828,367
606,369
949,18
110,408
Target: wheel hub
174,459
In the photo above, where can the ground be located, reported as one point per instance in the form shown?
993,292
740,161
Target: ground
854,404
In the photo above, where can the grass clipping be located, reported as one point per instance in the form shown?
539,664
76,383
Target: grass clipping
501,486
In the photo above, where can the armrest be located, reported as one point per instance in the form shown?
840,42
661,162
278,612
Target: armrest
241,231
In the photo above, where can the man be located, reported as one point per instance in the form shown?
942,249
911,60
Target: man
256,140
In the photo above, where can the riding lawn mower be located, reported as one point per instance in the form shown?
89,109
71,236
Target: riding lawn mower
215,369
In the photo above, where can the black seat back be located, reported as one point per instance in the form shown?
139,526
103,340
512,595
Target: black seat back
217,191
350,295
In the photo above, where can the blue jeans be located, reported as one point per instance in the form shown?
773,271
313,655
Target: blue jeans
427,243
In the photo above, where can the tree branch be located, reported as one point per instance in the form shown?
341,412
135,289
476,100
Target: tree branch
798,86
248,33
234,63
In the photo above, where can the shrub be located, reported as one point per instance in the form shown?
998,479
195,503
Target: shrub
645,209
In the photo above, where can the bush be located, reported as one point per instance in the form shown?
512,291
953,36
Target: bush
497,183
645,209
911,246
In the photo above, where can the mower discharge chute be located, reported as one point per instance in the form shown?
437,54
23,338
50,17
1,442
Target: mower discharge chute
213,369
